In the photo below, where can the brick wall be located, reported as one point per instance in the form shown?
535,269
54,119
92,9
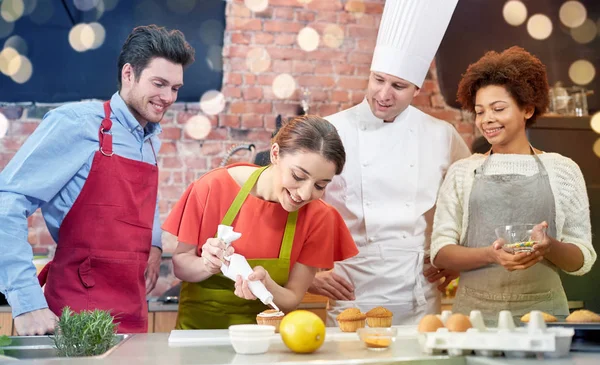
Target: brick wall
335,77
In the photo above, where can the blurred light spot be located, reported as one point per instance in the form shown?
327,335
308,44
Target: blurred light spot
85,5
514,12
539,26
6,57
572,14
12,10
308,39
582,72
99,35
42,12
198,127
99,10
356,8
81,37
29,6
14,65
304,1
333,36
110,4
6,28
284,86
24,72
214,58
595,122
181,6
258,60
212,102
3,125
585,33
17,43
211,32
597,147
257,5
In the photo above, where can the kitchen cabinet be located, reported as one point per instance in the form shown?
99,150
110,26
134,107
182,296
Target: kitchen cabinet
6,324
164,321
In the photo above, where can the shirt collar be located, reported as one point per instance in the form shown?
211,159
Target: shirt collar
125,118
367,117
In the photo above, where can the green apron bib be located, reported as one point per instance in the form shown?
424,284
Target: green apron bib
211,304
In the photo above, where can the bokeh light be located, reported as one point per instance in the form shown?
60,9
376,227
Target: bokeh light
24,72
212,102
572,14
308,39
514,12
539,26
258,60
198,127
12,10
582,72
257,5
333,36
284,86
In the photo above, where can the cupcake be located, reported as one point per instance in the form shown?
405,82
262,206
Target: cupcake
379,317
351,319
547,318
270,317
582,316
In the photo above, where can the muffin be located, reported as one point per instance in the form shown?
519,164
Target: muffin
379,317
583,315
547,318
351,319
270,317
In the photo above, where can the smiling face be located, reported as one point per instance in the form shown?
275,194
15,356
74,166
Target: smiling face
500,119
149,97
300,177
388,95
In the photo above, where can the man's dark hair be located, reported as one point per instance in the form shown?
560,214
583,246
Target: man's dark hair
148,42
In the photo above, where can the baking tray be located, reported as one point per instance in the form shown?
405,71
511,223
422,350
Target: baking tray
587,335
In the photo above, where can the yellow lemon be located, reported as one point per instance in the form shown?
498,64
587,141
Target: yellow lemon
302,331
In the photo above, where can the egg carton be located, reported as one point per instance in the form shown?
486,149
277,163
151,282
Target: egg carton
534,339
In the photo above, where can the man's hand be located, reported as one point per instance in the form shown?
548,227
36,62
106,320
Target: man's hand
153,268
434,274
36,323
331,285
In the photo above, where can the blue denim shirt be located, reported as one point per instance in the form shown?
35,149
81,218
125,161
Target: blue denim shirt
48,172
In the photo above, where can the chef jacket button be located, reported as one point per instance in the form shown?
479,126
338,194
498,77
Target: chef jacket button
362,127
408,204
364,164
403,236
368,203
371,239
412,165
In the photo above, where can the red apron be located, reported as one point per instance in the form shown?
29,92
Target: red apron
105,240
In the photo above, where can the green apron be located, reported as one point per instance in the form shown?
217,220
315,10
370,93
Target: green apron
211,304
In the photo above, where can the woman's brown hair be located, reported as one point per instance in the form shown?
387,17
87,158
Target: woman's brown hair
519,72
311,133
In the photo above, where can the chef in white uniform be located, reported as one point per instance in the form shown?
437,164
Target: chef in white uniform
396,159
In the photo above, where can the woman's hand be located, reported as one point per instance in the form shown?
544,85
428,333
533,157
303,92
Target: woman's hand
538,234
242,289
213,252
511,262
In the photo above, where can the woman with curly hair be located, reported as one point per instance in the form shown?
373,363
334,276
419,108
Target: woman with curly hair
513,183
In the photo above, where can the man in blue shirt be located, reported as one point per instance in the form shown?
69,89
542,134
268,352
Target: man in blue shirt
91,168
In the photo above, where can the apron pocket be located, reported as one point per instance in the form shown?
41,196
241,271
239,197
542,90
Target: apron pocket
117,287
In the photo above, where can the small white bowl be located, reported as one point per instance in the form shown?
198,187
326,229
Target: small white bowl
250,339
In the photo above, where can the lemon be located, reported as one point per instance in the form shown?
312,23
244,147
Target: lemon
302,331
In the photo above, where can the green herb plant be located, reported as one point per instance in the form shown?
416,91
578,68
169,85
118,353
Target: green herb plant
4,341
88,333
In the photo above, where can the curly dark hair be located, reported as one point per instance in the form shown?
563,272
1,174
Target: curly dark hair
518,71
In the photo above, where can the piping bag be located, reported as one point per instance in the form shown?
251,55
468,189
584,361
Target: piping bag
238,265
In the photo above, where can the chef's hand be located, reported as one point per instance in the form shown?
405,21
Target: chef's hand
512,262
433,274
36,323
538,234
242,289
212,255
331,285
153,268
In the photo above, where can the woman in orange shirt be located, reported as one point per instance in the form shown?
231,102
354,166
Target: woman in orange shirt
288,233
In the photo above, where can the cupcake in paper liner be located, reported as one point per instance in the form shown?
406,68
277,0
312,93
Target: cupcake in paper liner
270,317
379,317
351,319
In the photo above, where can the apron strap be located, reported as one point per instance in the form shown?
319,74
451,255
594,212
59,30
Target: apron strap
104,133
541,167
420,278
288,236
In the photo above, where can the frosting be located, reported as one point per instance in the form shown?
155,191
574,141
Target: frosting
271,314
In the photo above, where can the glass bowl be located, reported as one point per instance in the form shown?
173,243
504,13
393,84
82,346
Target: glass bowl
377,338
517,237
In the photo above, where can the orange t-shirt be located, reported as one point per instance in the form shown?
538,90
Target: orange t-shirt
321,235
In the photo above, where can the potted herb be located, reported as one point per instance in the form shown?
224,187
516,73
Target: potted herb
4,341
88,333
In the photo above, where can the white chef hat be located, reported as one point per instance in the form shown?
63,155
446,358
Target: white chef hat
409,36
